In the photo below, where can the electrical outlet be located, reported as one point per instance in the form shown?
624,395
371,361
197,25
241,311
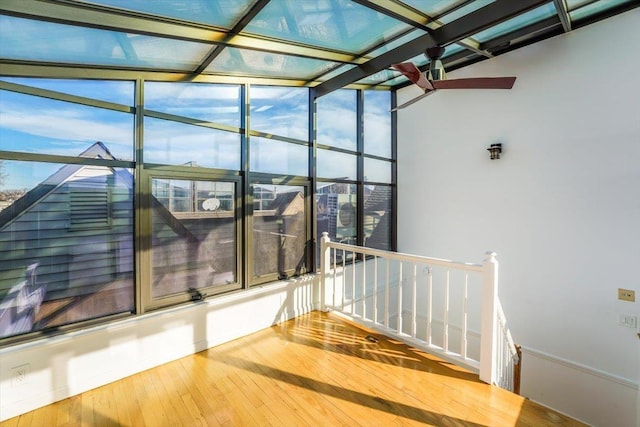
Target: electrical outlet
628,320
20,375
626,295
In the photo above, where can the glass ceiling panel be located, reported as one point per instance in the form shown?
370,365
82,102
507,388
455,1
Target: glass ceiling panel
377,78
220,13
580,9
574,4
519,21
432,7
25,39
342,69
397,43
255,63
455,14
339,24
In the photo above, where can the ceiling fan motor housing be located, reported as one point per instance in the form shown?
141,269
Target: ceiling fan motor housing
436,69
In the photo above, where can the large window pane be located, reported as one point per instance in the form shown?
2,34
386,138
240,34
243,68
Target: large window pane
337,211
336,165
279,230
178,143
377,216
41,125
272,156
282,111
66,244
194,243
210,102
377,170
336,119
377,123
119,92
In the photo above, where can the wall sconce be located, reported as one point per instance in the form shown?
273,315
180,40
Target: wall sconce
494,151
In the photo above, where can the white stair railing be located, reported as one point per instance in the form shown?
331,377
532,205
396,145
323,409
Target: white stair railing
445,307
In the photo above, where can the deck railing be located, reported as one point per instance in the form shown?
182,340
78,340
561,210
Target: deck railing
448,308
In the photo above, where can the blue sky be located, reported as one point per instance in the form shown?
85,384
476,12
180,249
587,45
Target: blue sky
42,125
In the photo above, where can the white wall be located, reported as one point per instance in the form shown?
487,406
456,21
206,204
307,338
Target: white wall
72,363
561,208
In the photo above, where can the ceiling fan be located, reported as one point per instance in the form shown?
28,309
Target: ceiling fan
435,78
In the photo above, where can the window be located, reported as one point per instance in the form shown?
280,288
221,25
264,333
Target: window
355,169
79,208
280,231
194,240
60,263
66,203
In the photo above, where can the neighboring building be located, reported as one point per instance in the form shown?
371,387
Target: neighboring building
77,228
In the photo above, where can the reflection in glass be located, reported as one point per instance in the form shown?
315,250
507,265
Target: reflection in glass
377,123
193,235
221,13
66,244
436,8
336,165
340,24
40,125
279,230
336,119
520,21
377,170
215,103
118,92
583,9
243,62
177,143
377,216
272,156
337,211
282,111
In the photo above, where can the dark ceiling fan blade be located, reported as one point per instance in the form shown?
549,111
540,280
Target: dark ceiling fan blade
475,83
414,74
414,100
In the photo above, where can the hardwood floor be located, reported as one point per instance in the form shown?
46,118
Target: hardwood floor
316,370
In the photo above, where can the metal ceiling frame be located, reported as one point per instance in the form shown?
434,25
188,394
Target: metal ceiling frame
450,33
459,31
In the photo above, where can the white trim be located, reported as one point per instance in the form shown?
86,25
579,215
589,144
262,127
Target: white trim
583,368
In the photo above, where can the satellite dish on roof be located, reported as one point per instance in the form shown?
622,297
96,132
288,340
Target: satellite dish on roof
211,204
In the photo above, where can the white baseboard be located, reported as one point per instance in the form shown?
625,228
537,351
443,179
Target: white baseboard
595,397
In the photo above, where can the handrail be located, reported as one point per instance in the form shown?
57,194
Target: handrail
430,311
469,266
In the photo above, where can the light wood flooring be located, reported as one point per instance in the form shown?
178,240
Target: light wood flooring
316,370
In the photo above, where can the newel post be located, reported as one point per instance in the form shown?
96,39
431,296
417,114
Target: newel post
488,326
325,263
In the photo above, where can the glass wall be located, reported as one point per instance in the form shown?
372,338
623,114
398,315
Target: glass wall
378,171
107,209
66,203
354,168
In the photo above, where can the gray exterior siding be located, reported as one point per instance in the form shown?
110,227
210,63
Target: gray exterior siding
73,260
